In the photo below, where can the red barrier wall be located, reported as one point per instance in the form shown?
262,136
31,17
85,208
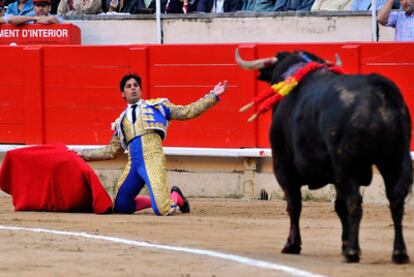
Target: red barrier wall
40,34
70,94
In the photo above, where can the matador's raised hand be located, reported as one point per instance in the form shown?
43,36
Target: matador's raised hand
220,88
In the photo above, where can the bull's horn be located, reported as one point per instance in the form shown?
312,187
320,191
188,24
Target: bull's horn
338,61
256,64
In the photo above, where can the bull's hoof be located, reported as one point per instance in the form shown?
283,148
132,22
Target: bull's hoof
291,249
351,256
399,257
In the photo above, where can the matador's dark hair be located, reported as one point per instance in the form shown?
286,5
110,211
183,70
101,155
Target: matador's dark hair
127,77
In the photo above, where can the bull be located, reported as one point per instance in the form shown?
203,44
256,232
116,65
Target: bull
331,129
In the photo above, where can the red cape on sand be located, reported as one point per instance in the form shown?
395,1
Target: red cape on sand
52,178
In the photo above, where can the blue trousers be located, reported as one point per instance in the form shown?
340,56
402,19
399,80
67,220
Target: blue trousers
146,166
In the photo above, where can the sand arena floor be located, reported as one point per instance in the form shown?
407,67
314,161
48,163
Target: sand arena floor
254,229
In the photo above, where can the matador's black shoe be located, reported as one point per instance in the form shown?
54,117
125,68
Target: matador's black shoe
186,207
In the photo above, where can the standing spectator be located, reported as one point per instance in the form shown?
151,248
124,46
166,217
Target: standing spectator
219,6
20,7
41,15
402,21
78,7
364,5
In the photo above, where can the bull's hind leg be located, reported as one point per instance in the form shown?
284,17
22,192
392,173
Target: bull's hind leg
398,184
349,204
341,210
294,207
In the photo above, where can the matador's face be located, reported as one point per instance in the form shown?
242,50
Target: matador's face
132,91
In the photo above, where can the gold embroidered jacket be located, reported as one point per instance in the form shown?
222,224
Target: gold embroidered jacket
154,116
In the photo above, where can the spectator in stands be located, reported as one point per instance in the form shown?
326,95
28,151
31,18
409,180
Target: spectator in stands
258,5
78,7
277,5
148,6
112,5
293,5
20,7
364,5
1,10
133,6
3,17
41,9
8,2
331,5
402,21
54,6
219,6
181,6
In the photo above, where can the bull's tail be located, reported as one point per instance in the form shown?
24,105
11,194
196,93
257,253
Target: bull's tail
388,87
394,97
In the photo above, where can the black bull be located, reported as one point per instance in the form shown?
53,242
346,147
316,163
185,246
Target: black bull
331,129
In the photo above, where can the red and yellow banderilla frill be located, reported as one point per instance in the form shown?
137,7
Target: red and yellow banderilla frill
276,92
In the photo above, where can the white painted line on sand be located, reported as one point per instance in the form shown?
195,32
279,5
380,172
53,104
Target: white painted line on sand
229,257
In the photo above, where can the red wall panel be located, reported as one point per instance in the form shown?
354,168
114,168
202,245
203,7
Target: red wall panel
12,95
186,73
81,94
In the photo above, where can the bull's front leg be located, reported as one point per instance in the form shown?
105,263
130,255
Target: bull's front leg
350,195
294,207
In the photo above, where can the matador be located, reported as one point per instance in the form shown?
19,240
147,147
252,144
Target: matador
140,129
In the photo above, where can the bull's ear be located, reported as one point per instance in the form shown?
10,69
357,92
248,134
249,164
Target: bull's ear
265,75
282,55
